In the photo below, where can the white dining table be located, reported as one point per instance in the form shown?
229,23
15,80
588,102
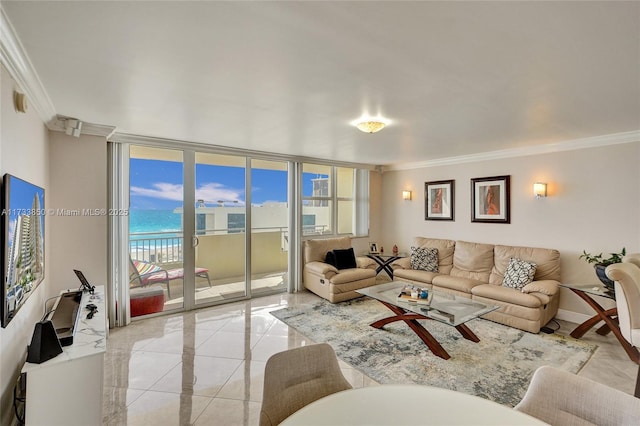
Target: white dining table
406,405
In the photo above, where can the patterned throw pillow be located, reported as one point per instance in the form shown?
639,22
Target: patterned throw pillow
519,273
424,258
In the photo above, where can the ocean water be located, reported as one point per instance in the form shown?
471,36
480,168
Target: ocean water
155,221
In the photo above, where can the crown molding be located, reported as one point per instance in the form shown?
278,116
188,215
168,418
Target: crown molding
93,129
14,57
97,129
118,137
590,142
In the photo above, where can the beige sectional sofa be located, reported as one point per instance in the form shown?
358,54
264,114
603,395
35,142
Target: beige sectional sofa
335,285
476,271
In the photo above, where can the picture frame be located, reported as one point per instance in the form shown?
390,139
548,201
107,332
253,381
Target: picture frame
373,248
22,241
439,200
491,199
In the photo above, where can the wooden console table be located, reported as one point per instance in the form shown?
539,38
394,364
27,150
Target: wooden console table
609,316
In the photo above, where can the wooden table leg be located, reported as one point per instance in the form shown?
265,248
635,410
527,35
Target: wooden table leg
467,333
603,315
410,319
611,322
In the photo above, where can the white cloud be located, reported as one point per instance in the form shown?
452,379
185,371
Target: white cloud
210,192
162,190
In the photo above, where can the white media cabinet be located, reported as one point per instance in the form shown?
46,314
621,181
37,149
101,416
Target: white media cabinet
67,390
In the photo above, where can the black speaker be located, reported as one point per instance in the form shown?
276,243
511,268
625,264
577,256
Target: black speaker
44,343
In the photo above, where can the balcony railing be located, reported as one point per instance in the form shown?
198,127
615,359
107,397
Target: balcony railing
156,247
167,247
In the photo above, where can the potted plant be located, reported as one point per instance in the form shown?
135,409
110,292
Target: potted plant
600,263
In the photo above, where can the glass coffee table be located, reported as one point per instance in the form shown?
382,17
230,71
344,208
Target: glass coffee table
444,307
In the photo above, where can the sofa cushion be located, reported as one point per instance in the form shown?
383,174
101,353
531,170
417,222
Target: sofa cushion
519,273
345,258
507,295
472,260
425,258
414,275
548,261
354,274
445,251
460,284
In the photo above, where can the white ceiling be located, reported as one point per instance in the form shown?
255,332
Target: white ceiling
455,78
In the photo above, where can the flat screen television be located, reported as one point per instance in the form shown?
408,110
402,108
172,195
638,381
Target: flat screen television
22,243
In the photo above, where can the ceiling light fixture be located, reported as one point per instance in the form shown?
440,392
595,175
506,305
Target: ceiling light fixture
370,124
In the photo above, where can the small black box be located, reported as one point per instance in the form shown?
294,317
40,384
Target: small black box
44,343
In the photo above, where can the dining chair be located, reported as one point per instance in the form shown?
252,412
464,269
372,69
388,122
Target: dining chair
626,276
561,398
297,377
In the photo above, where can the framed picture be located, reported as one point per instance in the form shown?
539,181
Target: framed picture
490,199
439,200
373,248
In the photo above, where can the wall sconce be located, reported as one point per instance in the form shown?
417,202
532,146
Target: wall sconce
540,189
406,195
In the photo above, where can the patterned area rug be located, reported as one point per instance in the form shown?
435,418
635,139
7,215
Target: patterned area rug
498,368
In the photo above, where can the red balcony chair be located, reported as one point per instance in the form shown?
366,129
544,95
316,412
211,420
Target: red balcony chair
142,274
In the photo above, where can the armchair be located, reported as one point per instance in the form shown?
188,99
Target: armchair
329,282
627,287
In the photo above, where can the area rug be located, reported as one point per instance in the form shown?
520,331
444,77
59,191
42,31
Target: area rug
498,368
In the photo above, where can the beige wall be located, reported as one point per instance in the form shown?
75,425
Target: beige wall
73,173
24,152
593,205
78,182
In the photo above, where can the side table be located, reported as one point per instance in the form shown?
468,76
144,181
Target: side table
609,316
384,261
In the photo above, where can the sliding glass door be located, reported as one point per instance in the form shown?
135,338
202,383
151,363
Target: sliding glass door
156,235
220,228
269,226
205,228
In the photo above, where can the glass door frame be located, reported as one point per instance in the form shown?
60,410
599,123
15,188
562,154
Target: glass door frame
118,198
119,241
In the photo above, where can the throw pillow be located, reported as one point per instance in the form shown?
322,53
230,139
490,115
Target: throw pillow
519,273
425,258
345,259
330,258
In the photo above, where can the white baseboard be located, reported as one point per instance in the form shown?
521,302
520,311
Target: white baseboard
571,316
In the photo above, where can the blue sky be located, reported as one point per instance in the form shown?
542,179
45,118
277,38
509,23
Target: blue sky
157,184
21,198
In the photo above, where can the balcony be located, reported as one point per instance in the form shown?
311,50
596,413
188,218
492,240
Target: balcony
222,253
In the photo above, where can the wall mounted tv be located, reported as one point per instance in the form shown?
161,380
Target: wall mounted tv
22,243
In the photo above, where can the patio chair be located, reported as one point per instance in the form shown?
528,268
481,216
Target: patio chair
142,274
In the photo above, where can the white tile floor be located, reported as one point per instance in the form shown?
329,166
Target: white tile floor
206,367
